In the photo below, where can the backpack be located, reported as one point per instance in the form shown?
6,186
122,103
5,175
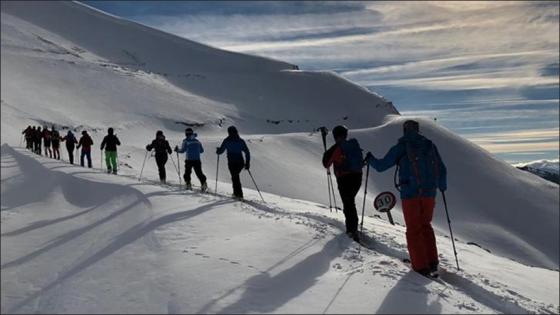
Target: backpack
424,166
353,159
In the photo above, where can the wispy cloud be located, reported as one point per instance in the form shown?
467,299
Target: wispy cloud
533,140
476,65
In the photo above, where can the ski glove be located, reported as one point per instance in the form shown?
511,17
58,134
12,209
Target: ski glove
247,165
176,148
368,156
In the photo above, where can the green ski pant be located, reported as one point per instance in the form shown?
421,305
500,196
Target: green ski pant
111,160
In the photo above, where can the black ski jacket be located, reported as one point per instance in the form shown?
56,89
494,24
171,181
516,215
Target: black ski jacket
161,147
110,143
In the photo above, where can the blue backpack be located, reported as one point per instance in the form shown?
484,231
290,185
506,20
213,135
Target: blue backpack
353,159
423,165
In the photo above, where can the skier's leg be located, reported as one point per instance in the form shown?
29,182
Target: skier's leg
428,205
188,172
108,160
198,170
235,170
88,155
82,155
414,238
114,162
70,154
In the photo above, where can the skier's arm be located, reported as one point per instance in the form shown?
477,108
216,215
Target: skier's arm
247,153
222,148
150,146
331,155
168,147
80,143
103,142
442,180
183,147
388,161
118,141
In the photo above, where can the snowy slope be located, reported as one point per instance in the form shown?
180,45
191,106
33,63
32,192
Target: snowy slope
134,247
69,65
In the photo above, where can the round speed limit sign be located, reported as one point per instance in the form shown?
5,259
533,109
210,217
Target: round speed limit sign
385,201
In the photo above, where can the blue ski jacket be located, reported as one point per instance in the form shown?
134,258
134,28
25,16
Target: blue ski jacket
192,148
421,169
234,147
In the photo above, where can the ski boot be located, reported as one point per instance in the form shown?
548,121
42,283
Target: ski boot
115,172
203,187
188,186
108,171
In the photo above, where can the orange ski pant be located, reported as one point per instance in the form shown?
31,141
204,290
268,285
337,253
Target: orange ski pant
420,236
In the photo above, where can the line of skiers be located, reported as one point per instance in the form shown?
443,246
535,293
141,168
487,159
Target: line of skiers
238,156
421,172
35,136
420,168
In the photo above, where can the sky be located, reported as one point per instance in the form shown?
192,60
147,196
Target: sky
486,70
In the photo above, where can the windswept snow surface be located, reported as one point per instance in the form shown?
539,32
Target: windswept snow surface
135,247
72,237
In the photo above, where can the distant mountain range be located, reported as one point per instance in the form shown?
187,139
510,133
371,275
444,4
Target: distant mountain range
547,169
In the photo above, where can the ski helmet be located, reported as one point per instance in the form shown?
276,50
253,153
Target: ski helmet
188,131
411,126
340,131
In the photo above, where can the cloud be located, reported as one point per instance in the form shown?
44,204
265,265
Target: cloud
476,65
531,140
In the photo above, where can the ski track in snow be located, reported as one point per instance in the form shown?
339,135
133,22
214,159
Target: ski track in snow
380,255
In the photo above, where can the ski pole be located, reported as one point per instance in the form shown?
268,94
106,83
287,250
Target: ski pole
101,154
143,163
329,190
332,191
364,204
324,132
175,166
255,185
450,231
179,170
217,168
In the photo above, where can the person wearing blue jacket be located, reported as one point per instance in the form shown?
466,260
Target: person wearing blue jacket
421,172
235,147
192,149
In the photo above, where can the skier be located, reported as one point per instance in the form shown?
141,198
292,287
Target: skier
110,143
37,141
55,139
70,143
234,146
28,135
192,149
162,148
85,142
421,172
47,141
346,158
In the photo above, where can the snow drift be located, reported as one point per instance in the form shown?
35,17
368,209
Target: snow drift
135,247
69,65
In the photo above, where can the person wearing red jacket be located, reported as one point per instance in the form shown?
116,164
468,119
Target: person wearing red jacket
346,157
85,142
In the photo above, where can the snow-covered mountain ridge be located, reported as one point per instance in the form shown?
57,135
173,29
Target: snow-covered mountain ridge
547,169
